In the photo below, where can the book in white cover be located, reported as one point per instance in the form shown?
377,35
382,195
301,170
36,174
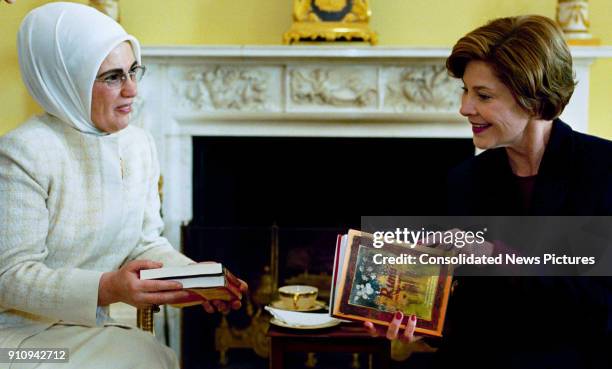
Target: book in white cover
201,282
186,271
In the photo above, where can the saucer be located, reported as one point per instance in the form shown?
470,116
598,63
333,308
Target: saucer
280,323
318,305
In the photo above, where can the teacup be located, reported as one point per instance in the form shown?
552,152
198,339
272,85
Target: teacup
298,297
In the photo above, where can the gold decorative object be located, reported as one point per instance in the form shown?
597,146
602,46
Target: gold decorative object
401,351
144,318
311,360
355,364
330,20
322,281
254,336
108,7
573,17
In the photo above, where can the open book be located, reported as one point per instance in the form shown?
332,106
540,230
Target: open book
207,280
364,288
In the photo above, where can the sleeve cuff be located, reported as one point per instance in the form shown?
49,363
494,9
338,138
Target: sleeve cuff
82,300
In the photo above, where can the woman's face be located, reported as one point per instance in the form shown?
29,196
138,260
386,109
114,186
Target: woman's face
111,106
497,119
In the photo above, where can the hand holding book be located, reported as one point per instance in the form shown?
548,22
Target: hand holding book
215,305
208,284
393,331
366,287
124,285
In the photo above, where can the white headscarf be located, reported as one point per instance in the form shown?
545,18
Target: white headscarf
61,47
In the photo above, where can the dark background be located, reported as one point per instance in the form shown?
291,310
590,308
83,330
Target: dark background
311,189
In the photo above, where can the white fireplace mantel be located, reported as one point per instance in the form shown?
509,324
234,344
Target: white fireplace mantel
303,91
308,91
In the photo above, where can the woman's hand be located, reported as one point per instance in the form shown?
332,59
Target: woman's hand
393,332
223,306
124,285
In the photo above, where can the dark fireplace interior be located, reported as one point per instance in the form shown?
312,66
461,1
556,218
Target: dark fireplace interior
298,193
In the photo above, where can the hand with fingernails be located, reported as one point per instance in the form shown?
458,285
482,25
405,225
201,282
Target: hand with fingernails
393,332
125,285
222,306
217,305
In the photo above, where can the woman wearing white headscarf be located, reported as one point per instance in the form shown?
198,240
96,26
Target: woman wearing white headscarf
79,205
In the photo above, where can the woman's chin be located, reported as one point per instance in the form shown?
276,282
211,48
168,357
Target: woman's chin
482,144
121,122
114,126
123,125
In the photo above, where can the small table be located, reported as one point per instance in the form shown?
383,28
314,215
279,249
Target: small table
342,338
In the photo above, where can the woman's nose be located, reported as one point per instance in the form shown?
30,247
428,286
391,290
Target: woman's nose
467,106
129,88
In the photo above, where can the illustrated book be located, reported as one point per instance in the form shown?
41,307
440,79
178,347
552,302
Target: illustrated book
209,280
366,289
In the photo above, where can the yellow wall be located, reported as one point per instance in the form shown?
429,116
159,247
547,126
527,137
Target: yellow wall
398,22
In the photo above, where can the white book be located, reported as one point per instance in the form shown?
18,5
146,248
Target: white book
205,270
200,282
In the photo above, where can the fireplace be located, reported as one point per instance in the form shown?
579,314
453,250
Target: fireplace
354,113
300,192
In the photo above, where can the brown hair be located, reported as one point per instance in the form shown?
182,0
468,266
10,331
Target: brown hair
528,54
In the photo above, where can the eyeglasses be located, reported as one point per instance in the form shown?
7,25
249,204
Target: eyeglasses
116,78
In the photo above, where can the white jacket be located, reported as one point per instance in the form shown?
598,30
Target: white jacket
72,206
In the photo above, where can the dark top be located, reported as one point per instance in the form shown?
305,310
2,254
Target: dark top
558,322
525,187
575,178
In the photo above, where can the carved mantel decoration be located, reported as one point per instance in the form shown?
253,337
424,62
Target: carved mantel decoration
330,20
332,88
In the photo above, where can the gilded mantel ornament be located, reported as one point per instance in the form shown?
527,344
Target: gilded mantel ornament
108,7
573,17
330,20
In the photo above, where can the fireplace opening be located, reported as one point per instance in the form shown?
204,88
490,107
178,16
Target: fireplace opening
270,208
246,181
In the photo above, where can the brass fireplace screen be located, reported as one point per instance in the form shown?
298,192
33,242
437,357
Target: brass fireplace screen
291,256
308,262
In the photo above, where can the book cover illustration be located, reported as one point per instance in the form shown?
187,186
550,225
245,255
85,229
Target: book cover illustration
410,289
374,291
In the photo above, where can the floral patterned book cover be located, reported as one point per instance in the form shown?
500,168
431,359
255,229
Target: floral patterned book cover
364,288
